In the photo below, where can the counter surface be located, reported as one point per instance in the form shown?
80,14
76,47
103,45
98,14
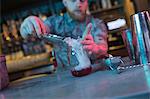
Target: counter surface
99,85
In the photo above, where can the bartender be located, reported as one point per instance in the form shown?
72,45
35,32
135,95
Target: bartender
72,26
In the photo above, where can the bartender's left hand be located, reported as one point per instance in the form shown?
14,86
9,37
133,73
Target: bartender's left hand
89,45
88,42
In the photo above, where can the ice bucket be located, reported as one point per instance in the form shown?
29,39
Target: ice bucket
140,25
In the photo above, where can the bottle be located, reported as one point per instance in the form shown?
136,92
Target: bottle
109,3
6,40
25,47
104,4
15,39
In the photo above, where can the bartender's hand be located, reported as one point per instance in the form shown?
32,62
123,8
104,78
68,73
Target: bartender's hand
32,26
88,42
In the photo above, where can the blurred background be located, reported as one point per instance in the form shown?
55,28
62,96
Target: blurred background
23,55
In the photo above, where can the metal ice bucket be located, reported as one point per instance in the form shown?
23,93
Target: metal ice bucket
140,24
138,41
4,79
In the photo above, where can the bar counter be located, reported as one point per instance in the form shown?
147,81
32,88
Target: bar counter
130,84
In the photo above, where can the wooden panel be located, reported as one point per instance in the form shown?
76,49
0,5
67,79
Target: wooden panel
141,5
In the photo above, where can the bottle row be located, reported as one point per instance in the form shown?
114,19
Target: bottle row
102,4
14,45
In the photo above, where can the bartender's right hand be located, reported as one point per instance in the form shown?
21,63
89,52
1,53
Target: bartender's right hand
32,26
